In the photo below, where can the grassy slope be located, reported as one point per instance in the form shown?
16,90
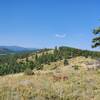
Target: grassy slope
80,85
32,56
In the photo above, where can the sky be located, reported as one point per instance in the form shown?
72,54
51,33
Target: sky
48,23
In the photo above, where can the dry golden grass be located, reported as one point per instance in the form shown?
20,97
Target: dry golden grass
80,85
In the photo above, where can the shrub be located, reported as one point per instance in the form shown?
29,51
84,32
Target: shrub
28,71
39,67
66,62
76,67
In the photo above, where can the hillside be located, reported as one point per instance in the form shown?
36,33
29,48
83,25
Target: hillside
60,83
19,62
64,52
62,73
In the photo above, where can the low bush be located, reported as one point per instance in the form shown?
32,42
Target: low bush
39,67
28,71
66,62
76,67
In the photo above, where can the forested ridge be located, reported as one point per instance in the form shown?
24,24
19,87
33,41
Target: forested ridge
9,64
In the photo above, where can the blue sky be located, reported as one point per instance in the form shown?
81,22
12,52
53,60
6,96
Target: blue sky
47,23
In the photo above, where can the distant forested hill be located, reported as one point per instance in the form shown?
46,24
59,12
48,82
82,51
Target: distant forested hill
17,48
5,51
14,49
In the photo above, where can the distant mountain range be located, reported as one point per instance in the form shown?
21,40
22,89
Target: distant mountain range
13,49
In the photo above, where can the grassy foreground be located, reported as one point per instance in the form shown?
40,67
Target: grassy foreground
80,85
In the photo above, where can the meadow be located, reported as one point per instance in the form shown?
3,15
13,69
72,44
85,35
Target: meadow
48,84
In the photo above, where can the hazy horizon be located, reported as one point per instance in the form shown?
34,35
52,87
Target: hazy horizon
46,24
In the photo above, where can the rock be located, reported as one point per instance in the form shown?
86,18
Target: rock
93,65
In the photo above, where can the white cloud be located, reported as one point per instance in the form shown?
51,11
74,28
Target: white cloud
60,35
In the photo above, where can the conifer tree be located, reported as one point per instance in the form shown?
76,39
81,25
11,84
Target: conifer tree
96,40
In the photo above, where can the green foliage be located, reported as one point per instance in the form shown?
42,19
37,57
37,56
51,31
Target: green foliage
39,67
36,57
76,67
67,52
28,71
96,40
66,62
